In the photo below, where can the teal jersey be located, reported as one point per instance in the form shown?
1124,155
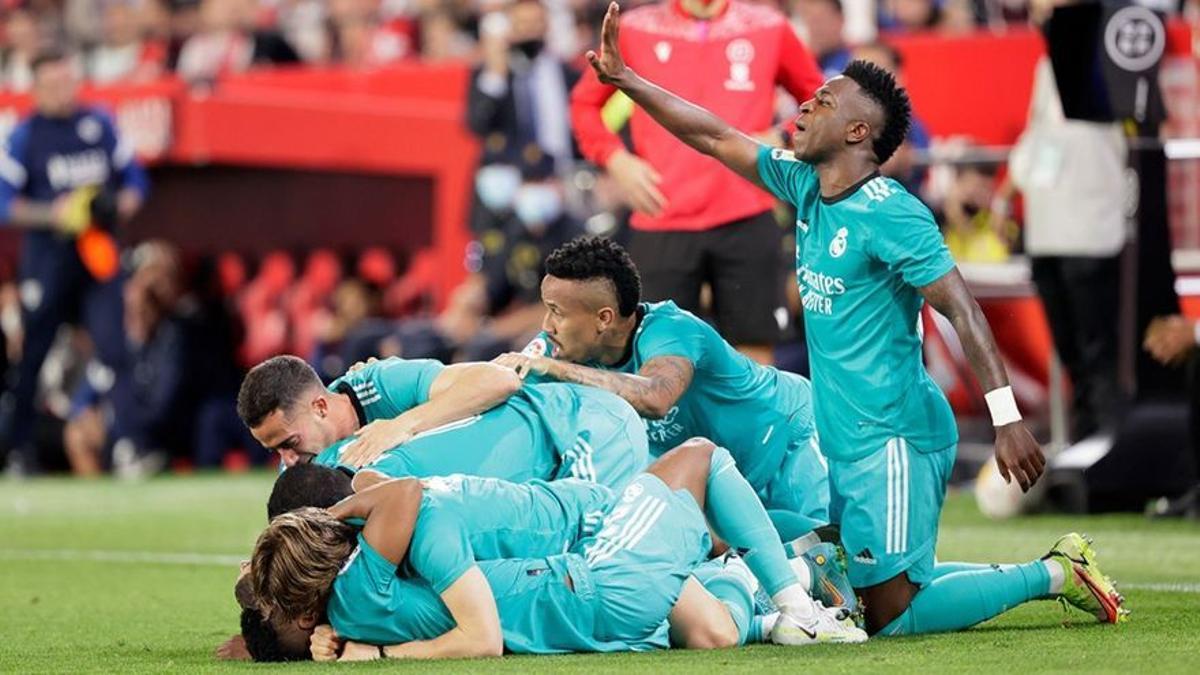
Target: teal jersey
860,258
736,403
464,519
385,389
543,431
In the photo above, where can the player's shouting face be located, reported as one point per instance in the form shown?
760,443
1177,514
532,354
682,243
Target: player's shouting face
838,116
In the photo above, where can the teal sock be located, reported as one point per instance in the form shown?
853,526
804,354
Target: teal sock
757,633
792,526
731,590
942,569
961,599
738,517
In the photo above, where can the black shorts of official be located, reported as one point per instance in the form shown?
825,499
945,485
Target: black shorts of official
741,261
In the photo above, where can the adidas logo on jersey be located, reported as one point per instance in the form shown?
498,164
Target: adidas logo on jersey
864,556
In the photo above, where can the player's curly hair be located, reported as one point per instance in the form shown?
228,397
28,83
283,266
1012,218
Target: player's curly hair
585,258
881,87
275,384
262,640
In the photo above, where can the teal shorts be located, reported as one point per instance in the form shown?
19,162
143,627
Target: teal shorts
802,484
649,543
611,446
888,504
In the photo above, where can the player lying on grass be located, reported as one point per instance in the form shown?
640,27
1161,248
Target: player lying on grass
868,256
682,377
539,431
613,590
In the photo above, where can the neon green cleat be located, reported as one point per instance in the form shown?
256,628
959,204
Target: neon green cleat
1085,586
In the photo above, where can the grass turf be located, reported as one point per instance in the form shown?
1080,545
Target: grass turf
116,577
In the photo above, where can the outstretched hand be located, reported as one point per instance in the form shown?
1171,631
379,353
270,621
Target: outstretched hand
608,64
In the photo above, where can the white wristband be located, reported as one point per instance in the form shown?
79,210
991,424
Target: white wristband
1003,406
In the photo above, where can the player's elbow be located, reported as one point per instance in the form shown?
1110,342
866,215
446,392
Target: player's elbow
486,643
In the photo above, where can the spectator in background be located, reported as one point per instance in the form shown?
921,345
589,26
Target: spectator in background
229,42
122,55
973,232
906,165
696,222
822,24
498,307
360,38
183,23
57,166
518,97
909,16
135,423
1072,176
23,40
1173,341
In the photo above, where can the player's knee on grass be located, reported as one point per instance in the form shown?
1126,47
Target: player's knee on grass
686,466
700,621
308,485
882,603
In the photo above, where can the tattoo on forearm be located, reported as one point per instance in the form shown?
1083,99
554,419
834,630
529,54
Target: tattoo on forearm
651,392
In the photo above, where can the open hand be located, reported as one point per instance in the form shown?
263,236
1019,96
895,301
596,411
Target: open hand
233,649
1018,455
608,64
373,440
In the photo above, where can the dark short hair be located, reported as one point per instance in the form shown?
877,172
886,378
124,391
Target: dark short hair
587,258
308,485
880,86
275,384
262,640
45,56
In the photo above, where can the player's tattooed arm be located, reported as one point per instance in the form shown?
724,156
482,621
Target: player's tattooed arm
690,123
652,391
1017,453
390,509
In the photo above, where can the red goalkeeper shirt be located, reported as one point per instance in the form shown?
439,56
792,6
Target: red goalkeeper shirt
730,65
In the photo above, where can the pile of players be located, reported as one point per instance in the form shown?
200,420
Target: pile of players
629,482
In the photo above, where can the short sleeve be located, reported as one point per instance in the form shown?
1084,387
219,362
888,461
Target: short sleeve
404,383
440,551
368,568
678,334
785,176
909,242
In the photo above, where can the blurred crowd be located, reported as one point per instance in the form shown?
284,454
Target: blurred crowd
138,40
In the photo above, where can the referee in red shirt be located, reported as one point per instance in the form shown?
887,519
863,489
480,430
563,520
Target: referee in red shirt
695,220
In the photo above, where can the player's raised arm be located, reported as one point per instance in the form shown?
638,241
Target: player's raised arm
692,124
390,510
1017,453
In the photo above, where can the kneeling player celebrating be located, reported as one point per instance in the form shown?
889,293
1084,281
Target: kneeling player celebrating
868,255
613,589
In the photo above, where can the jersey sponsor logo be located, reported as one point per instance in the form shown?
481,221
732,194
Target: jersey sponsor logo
740,53
666,429
77,169
877,189
818,289
89,129
662,51
837,247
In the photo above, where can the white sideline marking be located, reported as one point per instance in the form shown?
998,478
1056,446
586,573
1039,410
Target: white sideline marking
226,560
151,557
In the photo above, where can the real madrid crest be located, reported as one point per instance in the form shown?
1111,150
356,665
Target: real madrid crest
838,246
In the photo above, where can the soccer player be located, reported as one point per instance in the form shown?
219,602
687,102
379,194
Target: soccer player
539,431
612,591
868,255
682,377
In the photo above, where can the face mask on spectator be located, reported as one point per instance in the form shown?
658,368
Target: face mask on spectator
537,205
496,184
530,48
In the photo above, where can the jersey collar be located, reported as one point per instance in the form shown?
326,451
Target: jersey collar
345,388
844,194
677,6
640,312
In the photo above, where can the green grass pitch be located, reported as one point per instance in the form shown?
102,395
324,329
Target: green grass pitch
111,577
